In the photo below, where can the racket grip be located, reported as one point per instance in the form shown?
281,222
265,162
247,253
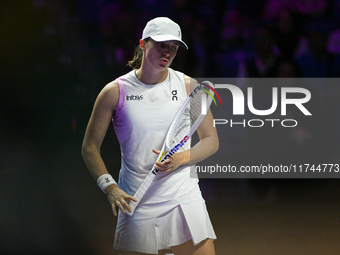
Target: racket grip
141,191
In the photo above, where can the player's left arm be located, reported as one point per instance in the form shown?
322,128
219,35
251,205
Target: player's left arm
207,145
206,131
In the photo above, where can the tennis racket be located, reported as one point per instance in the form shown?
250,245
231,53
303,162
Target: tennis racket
183,126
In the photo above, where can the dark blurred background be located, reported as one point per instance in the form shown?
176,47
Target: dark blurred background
55,57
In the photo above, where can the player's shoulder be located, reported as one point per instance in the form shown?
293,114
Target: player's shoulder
187,78
111,86
190,83
109,95
110,89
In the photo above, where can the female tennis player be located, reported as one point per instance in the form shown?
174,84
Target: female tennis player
141,105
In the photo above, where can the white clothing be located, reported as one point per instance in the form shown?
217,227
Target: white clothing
159,226
143,116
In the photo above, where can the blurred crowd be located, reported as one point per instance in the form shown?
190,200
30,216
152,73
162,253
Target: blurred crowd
235,38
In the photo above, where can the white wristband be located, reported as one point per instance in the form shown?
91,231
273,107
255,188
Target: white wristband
105,180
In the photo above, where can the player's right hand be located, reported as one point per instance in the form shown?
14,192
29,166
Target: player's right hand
119,198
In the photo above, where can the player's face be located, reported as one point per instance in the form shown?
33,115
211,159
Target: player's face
160,54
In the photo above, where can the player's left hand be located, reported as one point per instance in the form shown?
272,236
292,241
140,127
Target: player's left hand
170,163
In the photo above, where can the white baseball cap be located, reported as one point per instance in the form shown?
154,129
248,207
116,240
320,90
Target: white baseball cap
163,29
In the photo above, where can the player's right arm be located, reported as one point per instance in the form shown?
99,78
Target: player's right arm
103,110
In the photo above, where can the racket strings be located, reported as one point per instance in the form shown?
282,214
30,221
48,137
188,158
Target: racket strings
191,115
181,128
183,122
196,107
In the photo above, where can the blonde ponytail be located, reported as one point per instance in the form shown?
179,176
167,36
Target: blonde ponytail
136,62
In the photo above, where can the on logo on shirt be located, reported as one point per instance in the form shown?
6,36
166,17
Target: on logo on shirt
174,95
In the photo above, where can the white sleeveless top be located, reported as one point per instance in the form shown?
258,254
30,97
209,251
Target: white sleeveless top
143,116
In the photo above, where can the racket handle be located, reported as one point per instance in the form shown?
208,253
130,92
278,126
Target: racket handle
141,191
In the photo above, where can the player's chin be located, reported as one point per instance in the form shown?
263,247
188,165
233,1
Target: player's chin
163,67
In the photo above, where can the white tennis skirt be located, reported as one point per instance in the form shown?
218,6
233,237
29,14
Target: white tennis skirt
159,226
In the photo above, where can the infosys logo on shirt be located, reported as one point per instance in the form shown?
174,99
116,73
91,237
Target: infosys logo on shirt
135,97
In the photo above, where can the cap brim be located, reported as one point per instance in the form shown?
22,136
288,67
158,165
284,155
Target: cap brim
162,38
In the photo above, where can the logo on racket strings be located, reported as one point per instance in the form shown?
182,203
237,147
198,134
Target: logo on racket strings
173,151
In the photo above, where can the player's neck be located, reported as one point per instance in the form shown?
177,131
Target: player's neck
151,77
